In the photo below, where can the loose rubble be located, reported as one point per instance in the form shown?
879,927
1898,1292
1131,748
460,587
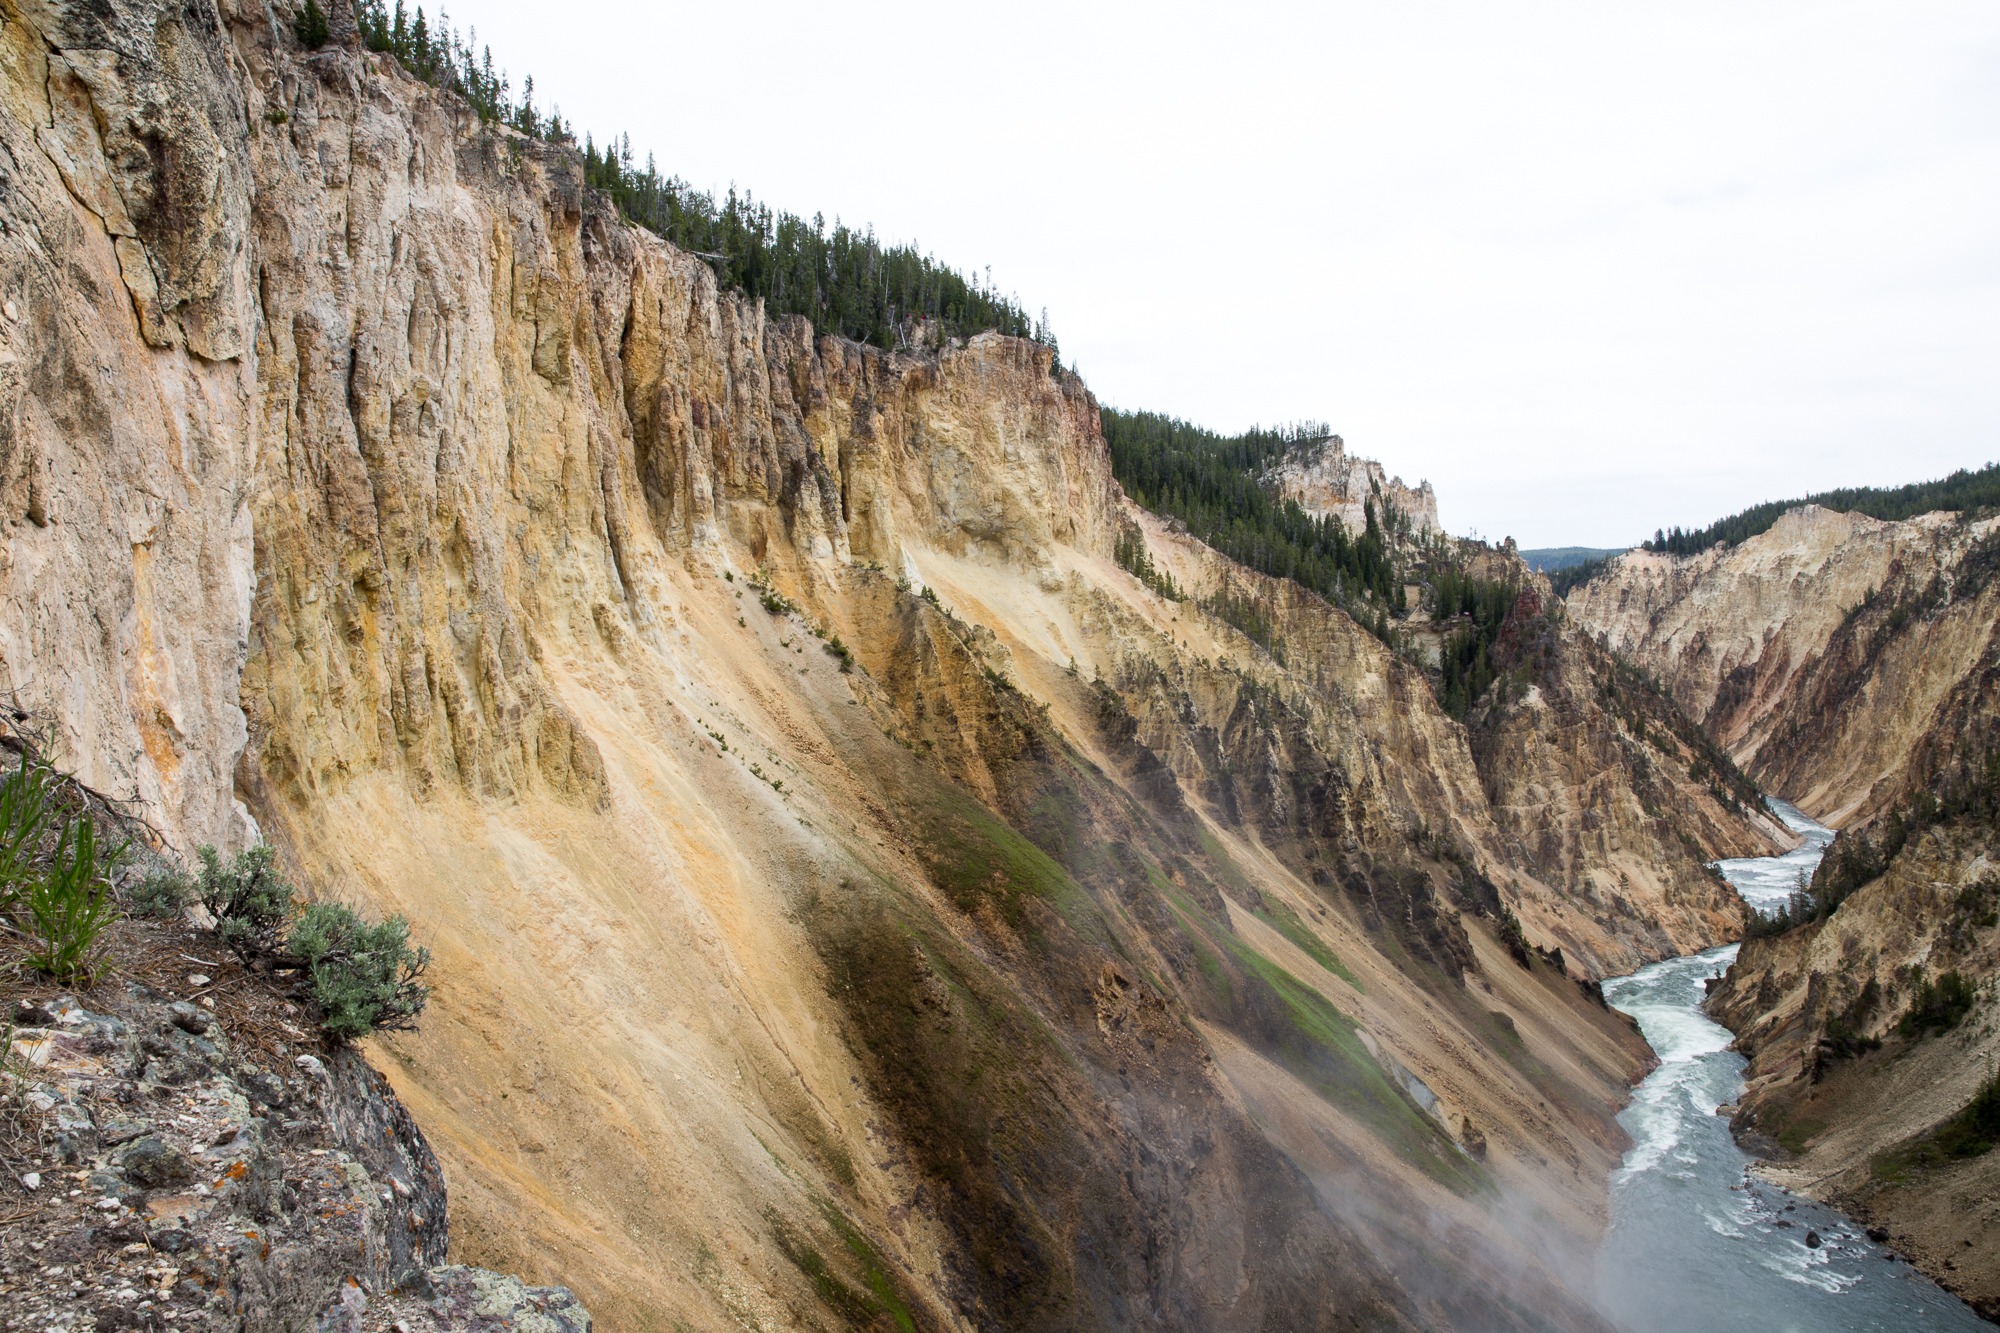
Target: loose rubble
157,1173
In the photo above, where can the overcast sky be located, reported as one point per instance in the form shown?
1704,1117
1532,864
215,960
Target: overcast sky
1590,268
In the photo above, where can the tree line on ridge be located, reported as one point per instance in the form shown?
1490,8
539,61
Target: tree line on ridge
846,281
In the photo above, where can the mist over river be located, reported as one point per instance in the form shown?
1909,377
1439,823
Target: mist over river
1699,1245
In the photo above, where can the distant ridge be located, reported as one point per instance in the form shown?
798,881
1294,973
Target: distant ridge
1961,490
1548,559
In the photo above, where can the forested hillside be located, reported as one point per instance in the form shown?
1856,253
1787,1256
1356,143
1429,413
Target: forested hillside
1213,483
1210,482
1961,490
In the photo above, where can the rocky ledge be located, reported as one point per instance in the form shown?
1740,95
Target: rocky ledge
175,1162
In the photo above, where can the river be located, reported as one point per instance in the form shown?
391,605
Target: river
1697,1243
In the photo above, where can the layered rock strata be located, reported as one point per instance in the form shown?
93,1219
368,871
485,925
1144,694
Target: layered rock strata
1852,1101
1740,636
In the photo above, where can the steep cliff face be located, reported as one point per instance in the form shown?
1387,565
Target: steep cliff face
1324,479
1610,801
1740,636
125,404
855,899
1887,708
1848,1068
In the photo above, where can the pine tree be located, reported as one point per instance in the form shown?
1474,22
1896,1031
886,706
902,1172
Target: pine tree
311,26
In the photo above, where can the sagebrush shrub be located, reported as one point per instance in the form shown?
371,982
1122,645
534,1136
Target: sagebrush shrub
365,977
250,900
163,892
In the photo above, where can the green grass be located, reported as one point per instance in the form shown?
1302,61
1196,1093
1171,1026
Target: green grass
1274,914
1212,970
1323,1049
881,1283
1501,1033
1797,1134
1286,922
855,1307
973,1078
1225,865
975,857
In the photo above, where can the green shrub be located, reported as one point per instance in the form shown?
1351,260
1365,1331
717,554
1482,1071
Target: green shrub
1976,1128
24,820
1846,1036
774,601
364,977
1979,904
1937,1006
249,899
69,907
360,976
163,892
1972,1132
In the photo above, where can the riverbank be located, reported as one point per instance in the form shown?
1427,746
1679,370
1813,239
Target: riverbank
1700,1237
1868,1036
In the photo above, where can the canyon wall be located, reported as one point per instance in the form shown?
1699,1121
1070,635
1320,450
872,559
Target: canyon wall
1847,1096
855,900
1853,667
1740,637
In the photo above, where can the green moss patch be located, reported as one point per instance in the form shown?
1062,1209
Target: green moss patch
1227,870
878,1307
1286,922
976,1085
1321,1047
874,1272
1798,1134
974,857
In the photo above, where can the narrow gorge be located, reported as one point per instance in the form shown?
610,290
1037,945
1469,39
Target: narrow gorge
876,874
1848,664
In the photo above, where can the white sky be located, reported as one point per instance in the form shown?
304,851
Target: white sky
1591,268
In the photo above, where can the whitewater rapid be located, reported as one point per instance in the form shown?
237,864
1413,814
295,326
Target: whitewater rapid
1697,1243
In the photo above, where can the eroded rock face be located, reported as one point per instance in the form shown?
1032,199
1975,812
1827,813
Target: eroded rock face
126,440
1736,634
1325,479
1847,1095
1609,803
850,891
220,1191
